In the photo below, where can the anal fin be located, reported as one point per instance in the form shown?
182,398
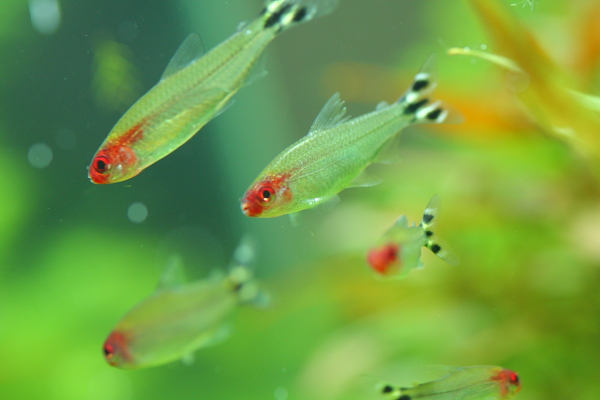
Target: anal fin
390,151
257,71
365,179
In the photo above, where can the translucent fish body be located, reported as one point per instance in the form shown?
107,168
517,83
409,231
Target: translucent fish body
171,324
482,382
336,151
399,250
179,318
192,91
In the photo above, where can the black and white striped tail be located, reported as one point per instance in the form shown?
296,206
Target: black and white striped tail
417,99
282,14
434,243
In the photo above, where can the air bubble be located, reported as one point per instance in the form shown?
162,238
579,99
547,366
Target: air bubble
39,155
137,212
45,15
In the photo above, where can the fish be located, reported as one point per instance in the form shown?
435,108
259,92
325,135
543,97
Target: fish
194,88
337,149
179,317
399,250
481,382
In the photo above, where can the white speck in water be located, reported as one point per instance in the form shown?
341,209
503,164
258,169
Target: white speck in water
248,31
467,48
65,139
280,393
128,30
483,46
45,15
137,212
39,155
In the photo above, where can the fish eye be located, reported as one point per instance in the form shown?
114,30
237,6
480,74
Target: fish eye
108,351
265,194
101,164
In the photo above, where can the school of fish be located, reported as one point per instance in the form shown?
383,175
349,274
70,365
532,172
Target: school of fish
181,317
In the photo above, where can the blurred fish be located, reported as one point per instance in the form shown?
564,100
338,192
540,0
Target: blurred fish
482,382
337,149
178,318
400,248
194,89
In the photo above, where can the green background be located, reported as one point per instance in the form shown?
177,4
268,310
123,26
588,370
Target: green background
519,208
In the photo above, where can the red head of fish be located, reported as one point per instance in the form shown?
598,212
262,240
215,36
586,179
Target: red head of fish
265,195
116,161
115,349
509,383
383,258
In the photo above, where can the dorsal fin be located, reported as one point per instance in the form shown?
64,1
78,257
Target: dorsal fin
332,114
173,274
402,222
191,49
389,152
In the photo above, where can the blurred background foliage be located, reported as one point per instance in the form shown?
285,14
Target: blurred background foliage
520,207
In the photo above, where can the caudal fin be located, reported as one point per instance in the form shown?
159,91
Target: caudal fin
241,276
418,103
434,243
282,14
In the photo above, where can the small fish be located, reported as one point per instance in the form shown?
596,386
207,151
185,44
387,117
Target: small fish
179,318
400,248
482,382
337,149
193,89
